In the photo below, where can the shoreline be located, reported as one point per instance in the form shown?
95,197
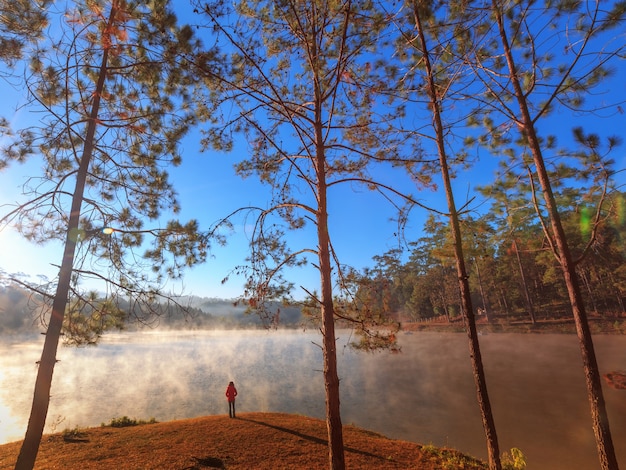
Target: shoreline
599,325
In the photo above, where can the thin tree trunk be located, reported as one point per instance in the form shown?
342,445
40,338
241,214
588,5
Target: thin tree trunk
331,376
482,292
604,441
619,294
443,295
331,381
529,303
41,397
462,276
504,302
585,278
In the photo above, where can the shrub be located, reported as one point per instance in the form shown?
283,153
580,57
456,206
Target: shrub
125,421
514,461
452,459
73,435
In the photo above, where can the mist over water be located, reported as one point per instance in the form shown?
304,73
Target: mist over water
425,394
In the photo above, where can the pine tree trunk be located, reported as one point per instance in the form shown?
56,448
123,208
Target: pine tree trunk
331,376
482,291
41,399
599,416
489,426
529,303
331,384
43,383
604,441
493,451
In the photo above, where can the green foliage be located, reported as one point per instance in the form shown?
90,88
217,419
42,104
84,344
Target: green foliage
88,317
325,93
23,23
422,283
514,460
452,459
306,97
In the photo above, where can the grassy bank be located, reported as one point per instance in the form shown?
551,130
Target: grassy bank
615,326
252,441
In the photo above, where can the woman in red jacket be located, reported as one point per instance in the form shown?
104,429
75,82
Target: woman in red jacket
231,393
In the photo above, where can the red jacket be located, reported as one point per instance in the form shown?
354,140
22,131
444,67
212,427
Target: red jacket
231,392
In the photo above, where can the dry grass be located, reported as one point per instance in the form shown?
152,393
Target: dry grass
252,441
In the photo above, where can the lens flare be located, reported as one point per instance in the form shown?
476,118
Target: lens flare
585,221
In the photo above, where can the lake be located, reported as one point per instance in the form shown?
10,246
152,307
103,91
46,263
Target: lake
424,394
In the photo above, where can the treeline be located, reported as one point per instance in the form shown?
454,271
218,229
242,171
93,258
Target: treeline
17,311
21,313
512,269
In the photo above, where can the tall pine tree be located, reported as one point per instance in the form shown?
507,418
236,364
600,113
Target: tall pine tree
112,83
522,81
304,90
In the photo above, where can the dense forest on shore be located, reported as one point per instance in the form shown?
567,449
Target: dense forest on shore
512,270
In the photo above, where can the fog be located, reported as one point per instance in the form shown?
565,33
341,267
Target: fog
424,394
163,375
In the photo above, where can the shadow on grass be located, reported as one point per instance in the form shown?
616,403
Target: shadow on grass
206,462
317,440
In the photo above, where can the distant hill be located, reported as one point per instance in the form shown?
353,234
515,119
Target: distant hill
20,309
236,312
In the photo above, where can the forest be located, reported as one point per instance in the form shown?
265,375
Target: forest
513,273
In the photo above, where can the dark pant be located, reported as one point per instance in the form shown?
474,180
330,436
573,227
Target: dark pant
231,409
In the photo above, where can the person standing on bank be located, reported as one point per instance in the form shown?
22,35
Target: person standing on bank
231,393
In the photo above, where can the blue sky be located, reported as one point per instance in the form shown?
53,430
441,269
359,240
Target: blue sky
208,188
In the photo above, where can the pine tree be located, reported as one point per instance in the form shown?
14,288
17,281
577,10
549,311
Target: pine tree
305,95
429,34
23,22
112,81
21,25
511,214
521,82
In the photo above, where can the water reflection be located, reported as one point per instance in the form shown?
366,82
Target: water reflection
426,394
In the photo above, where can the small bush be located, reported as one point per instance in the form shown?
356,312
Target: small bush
451,459
73,435
125,422
514,461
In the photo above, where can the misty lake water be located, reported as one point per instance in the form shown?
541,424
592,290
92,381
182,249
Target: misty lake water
424,394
